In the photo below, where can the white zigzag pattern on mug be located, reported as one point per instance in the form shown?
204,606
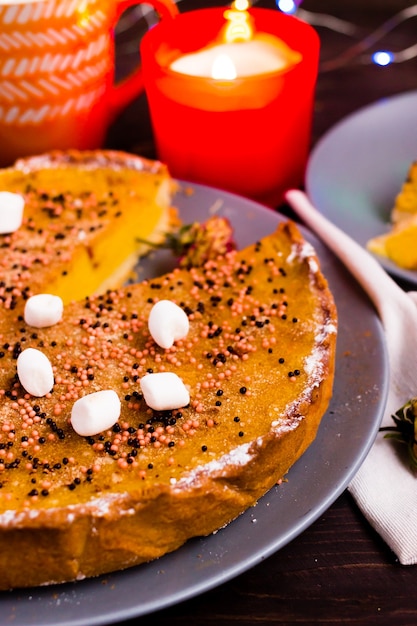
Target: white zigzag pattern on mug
15,40
49,62
33,12
42,88
21,116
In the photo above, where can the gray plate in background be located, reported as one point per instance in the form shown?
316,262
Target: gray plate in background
357,169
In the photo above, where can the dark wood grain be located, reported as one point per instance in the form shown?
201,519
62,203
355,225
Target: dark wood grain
338,571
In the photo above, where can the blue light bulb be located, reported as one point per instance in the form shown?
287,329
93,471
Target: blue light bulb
382,57
287,6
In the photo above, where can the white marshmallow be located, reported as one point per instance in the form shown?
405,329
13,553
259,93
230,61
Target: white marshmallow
35,372
167,323
43,310
11,212
164,391
95,412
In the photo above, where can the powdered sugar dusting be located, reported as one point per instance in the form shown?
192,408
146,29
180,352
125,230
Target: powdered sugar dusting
304,251
238,456
99,507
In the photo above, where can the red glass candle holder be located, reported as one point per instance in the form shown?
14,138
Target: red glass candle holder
249,135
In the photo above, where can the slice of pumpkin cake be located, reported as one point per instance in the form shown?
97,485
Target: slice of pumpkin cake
84,215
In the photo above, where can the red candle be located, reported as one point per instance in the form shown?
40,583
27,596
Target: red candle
247,131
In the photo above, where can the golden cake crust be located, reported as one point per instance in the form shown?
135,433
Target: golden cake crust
259,364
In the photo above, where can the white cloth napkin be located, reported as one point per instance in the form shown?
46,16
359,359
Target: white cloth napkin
385,488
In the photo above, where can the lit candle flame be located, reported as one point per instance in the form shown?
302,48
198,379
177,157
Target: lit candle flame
239,51
223,68
239,27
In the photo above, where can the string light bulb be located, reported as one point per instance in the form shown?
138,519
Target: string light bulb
383,57
287,6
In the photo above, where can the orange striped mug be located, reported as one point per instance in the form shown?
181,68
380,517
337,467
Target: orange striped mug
57,66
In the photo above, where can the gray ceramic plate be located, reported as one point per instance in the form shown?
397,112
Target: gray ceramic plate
346,434
359,166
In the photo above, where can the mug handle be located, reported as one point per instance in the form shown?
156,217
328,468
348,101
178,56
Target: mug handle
132,86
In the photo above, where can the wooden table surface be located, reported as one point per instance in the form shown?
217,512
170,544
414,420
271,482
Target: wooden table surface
338,571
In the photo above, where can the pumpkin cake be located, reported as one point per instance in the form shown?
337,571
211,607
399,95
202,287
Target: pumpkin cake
257,359
84,215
